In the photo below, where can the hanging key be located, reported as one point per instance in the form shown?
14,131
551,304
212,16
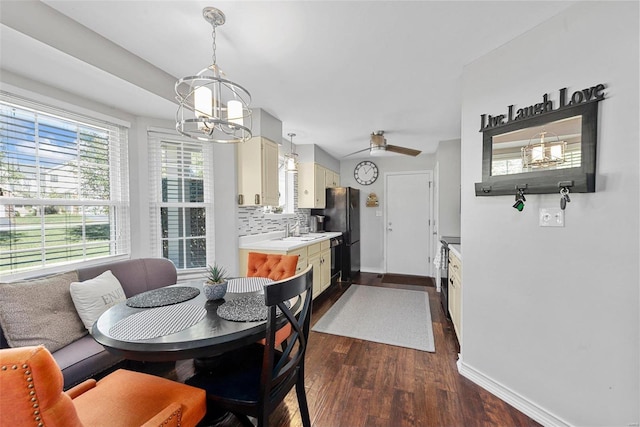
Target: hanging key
564,198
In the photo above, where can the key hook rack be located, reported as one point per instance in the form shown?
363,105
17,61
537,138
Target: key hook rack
504,168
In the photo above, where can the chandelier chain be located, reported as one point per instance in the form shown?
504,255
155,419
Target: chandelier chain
213,43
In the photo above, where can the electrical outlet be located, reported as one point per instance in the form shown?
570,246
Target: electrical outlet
551,217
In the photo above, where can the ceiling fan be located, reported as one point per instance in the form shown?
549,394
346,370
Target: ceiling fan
378,146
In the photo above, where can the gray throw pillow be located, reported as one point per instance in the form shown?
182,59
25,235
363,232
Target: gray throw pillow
40,311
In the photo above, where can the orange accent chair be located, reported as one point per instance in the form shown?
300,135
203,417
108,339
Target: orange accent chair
31,387
275,267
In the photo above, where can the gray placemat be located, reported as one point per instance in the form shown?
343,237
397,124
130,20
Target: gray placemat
157,322
163,296
247,284
249,308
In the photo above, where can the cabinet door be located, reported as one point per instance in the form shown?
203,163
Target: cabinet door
317,273
249,172
258,172
332,179
306,189
319,187
325,269
270,179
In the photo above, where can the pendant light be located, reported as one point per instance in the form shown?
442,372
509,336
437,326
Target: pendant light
211,107
290,160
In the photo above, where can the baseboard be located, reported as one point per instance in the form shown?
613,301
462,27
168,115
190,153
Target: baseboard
376,270
514,399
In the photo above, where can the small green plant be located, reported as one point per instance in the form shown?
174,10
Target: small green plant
216,274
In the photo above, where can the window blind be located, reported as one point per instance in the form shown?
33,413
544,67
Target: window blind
181,211
64,190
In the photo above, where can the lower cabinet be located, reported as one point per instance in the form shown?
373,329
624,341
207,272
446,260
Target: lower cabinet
317,254
455,294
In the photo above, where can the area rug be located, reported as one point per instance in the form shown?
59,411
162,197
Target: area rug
390,316
403,279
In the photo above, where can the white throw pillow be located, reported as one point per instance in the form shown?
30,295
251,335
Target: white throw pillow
94,296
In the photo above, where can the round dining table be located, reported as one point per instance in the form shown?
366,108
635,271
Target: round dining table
189,329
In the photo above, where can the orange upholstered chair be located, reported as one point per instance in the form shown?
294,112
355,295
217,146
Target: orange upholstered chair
31,387
275,267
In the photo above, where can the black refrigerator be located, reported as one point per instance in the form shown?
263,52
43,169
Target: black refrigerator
342,213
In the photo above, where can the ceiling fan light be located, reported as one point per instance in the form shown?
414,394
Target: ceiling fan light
377,150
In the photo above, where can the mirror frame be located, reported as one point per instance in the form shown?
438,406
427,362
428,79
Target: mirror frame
579,179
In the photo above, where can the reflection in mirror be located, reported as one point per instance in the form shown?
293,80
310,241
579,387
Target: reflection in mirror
554,145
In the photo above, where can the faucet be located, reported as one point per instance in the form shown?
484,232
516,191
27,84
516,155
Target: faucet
290,229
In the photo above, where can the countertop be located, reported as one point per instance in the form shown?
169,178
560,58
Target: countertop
457,250
274,241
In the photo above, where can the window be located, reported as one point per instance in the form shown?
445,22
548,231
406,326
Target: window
181,205
63,187
286,185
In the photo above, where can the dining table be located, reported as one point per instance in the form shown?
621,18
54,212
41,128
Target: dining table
178,322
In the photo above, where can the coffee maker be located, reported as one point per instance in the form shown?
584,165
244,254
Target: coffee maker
316,223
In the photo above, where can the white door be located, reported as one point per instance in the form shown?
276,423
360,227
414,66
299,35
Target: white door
408,225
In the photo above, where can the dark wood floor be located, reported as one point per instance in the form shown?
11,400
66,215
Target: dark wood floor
353,383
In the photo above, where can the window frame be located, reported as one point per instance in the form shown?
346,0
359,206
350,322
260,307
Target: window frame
156,137
117,202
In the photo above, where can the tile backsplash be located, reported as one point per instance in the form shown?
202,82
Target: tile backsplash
251,220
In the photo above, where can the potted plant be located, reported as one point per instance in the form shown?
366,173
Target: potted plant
215,287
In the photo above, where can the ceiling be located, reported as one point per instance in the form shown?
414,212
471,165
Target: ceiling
331,71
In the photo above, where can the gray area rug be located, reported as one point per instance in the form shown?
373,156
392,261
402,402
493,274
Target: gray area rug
389,316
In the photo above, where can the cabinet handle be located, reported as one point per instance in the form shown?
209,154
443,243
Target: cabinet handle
240,199
257,199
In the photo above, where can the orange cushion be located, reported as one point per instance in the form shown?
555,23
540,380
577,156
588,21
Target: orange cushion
273,266
125,398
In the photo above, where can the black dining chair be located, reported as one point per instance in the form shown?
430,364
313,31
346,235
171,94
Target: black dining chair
252,381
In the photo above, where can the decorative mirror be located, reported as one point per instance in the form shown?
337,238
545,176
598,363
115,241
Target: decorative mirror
542,154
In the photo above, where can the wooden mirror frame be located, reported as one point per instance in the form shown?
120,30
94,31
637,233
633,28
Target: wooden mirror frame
579,179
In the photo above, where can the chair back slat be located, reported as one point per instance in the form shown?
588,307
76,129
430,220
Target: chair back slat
291,361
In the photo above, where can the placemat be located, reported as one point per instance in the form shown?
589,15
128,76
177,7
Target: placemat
157,322
249,308
247,284
163,296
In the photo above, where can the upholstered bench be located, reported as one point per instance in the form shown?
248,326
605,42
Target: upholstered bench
45,304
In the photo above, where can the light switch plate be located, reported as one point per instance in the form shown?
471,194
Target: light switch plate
551,217
378,213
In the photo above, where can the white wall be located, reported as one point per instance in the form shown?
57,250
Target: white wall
448,159
372,226
551,315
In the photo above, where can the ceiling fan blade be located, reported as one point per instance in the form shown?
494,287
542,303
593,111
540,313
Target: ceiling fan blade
356,152
403,150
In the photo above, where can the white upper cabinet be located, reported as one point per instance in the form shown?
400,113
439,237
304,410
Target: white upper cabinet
313,179
258,172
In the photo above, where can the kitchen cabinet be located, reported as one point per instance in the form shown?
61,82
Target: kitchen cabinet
455,294
258,172
313,179
331,179
325,265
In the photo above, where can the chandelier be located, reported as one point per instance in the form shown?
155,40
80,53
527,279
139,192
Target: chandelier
290,160
544,153
211,107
